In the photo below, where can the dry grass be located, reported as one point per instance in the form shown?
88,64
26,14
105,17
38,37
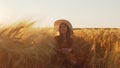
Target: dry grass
22,46
105,47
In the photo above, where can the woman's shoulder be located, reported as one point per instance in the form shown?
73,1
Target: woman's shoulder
56,37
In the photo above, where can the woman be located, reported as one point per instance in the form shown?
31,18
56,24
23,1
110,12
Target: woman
64,44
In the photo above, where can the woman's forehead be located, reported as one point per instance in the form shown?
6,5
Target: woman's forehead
63,24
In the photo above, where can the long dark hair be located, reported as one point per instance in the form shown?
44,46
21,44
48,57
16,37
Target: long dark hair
68,36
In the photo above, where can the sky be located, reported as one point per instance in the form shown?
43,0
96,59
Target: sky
81,13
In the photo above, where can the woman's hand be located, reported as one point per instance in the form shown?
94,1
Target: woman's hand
66,50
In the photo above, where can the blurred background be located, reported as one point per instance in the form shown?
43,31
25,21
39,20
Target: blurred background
81,13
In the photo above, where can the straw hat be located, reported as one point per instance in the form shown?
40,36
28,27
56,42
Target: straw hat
60,21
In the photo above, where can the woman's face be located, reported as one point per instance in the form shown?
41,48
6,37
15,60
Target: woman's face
63,28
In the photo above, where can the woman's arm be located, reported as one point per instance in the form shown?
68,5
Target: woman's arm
73,45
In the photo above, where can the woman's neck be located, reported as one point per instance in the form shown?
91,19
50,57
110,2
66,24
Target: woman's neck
64,35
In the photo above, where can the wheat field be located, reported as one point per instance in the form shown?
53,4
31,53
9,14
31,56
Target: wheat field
23,46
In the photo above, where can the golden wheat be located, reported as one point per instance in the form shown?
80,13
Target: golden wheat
23,46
